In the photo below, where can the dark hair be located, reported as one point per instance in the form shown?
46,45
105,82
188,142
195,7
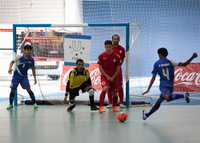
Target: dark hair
115,35
163,51
79,60
28,47
108,42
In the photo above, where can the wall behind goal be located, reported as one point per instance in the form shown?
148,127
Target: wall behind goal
164,23
32,11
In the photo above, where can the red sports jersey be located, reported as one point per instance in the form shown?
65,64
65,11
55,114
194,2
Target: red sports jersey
109,63
119,50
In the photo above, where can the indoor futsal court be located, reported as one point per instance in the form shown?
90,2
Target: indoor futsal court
51,124
147,37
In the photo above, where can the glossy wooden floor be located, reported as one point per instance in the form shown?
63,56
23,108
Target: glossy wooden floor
53,124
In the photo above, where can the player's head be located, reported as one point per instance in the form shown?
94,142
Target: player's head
79,64
115,39
162,51
108,46
28,48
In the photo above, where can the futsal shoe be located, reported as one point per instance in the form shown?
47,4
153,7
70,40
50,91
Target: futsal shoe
101,109
115,109
35,106
186,97
109,106
10,107
94,108
122,105
70,108
144,117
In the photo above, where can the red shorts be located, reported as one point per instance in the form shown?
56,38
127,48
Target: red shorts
120,78
113,85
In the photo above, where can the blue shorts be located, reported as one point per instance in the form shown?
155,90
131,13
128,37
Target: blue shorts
165,90
24,82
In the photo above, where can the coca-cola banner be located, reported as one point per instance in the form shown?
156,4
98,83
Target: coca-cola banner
95,76
187,79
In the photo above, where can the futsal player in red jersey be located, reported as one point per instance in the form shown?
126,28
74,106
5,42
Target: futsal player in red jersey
119,50
109,66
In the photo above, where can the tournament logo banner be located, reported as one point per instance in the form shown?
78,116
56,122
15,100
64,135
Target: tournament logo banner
77,47
187,79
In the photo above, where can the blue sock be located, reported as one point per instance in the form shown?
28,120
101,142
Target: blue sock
31,94
11,98
175,96
153,109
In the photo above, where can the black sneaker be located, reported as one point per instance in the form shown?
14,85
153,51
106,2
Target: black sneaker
70,108
186,97
94,108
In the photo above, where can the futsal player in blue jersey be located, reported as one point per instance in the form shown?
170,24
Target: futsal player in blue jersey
23,62
165,69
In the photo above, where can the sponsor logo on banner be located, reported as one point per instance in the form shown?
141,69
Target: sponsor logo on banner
95,76
187,79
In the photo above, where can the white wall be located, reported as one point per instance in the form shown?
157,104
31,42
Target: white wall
74,13
32,11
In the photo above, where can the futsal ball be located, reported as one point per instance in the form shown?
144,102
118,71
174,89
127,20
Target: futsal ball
122,116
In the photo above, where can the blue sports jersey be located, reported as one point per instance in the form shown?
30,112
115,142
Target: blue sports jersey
165,69
22,65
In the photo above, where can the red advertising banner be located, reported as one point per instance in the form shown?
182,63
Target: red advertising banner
94,75
187,79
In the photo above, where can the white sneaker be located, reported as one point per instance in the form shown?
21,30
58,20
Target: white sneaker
122,105
144,117
109,106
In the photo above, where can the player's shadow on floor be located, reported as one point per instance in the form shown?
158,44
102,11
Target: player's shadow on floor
158,132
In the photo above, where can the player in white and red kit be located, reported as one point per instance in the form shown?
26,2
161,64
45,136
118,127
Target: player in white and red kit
119,50
109,66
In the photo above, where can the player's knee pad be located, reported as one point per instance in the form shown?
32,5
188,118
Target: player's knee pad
91,92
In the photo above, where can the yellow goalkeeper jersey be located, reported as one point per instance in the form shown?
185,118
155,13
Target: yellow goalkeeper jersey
77,78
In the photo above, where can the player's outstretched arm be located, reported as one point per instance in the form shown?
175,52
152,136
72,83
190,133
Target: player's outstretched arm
34,75
10,67
150,84
189,60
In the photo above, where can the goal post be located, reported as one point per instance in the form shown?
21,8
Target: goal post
108,27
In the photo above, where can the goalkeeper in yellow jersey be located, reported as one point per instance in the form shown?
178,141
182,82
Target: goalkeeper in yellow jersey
79,78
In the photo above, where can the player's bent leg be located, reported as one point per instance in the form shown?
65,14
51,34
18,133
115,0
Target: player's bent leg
91,95
153,109
172,97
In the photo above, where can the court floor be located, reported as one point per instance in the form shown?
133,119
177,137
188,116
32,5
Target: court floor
53,124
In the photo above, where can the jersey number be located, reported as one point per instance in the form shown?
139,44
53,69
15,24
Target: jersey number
166,73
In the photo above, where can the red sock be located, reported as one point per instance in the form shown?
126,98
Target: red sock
102,97
115,98
121,95
109,93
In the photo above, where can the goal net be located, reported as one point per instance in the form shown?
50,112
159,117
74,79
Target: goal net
48,53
